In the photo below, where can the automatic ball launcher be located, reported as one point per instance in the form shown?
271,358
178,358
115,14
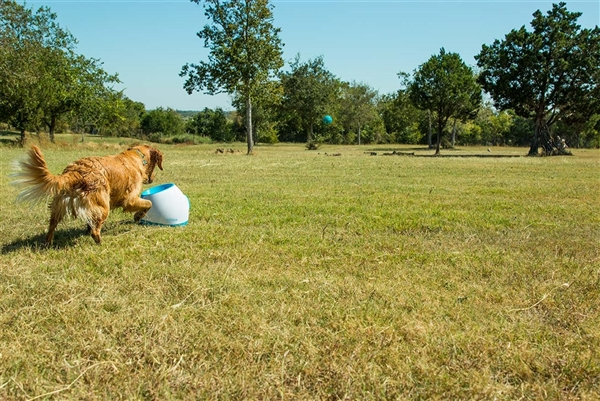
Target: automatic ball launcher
170,207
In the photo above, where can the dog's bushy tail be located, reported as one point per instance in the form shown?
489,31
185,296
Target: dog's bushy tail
33,174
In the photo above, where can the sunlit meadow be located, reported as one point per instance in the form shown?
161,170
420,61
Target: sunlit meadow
304,275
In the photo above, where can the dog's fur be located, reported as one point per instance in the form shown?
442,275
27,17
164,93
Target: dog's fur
90,187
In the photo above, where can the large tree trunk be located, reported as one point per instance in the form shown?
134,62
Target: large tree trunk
309,136
249,139
23,138
533,150
429,130
52,127
359,135
454,133
542,137
440,125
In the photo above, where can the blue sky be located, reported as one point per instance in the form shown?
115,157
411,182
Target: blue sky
147,42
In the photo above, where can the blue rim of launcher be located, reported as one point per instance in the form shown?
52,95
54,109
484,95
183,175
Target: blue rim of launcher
170,207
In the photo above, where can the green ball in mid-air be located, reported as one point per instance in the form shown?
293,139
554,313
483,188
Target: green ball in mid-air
327,119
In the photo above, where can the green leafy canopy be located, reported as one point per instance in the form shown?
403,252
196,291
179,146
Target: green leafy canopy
549,73
446,86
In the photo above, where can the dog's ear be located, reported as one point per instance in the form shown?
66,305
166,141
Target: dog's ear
157,157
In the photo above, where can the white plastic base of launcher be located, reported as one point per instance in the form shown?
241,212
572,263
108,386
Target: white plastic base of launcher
170,207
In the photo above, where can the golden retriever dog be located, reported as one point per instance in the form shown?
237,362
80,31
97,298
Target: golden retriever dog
90,187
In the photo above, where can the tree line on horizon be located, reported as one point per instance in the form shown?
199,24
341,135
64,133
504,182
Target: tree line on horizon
540,85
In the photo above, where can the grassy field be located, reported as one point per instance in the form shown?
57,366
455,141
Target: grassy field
303,275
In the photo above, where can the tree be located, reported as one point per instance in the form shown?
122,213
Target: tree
41,76
265,104
245,52
402,120
116,114
545,74
495,125
309,91
579,131
164,121
212,124
71,80
27,41
358,106
446,87
132,118
520,130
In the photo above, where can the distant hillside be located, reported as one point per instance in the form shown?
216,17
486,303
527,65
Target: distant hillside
187,113
191,113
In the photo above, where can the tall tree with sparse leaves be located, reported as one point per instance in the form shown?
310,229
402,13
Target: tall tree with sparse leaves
245,52
548,74
358,106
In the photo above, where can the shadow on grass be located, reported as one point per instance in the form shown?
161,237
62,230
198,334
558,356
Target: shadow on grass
391,149
9,133
470,155
425,151
62,239
9,138
65,238
444,153
9,142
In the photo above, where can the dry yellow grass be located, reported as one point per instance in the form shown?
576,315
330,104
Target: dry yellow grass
306,276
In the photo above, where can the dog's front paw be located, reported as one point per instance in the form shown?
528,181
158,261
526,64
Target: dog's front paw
138,216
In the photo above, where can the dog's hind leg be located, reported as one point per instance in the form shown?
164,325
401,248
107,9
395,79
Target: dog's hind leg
95,230
98,214
76,215
57,213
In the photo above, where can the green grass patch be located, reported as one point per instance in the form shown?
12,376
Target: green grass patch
307,276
